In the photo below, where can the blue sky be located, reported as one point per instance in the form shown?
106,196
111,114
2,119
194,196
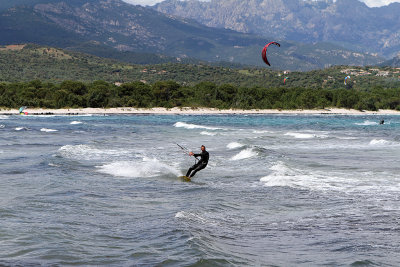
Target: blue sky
371,3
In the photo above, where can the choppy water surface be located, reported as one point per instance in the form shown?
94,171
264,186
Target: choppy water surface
288,190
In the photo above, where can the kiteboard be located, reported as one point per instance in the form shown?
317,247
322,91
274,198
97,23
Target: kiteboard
185,178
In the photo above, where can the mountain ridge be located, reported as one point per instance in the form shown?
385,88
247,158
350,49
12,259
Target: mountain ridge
347,22
120,26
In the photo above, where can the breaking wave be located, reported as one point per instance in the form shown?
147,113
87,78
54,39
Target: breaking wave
244,154
48,130
194,126
305,135
234,145
133,169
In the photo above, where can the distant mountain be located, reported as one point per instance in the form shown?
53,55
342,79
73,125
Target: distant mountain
349,23
115,29
394,62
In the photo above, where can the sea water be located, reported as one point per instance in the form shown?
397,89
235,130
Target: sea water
279,190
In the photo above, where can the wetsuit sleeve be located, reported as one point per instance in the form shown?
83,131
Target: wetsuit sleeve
204,157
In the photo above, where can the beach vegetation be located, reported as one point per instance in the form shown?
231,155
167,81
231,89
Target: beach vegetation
168,94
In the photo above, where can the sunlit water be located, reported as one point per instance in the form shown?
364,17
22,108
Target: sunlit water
286,190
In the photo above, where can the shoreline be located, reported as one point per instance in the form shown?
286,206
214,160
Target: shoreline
192,111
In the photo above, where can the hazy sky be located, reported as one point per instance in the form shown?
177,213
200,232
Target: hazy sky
371,3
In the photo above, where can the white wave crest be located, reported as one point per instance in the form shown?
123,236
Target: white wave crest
244,154
21,128
261,131
3,117
194,217
283,175
207,133
234,145
180,214
379,142
48,130
86,152
75,122
2,126
367,123
146,168
194,126
305,135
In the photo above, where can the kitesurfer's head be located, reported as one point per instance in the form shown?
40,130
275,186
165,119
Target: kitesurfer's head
203,148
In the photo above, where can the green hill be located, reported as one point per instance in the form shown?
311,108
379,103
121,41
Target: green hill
29,62
36,76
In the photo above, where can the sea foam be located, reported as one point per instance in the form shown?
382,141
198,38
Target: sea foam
305,135
280,176
192,216
48,130
86,152
133,169
21,128
367,123
234,145
261,131
283,175
379,142
207,133
244,154
75,122
194,126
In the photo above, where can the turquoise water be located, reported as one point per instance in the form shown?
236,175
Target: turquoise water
280,190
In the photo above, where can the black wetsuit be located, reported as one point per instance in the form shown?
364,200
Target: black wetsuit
199,165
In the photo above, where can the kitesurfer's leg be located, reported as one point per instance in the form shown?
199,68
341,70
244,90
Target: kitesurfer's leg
198,168
190,170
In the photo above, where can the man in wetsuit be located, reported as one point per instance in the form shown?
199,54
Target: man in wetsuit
201,164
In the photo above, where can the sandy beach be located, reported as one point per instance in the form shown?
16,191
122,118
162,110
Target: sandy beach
188,110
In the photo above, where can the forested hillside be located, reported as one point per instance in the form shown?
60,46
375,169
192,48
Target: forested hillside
30,62
47,77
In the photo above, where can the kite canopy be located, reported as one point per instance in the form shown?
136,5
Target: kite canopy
345,80
21,109
285,79
264,52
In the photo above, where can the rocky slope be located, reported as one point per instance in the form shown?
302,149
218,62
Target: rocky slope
347,22
120,26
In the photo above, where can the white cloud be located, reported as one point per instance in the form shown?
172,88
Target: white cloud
370,3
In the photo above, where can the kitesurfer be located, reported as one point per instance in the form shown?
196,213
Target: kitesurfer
382,122
201,164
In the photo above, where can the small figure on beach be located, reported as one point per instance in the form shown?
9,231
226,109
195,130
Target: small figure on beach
201,164
382,121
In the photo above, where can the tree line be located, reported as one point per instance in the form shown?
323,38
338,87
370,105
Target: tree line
168,94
